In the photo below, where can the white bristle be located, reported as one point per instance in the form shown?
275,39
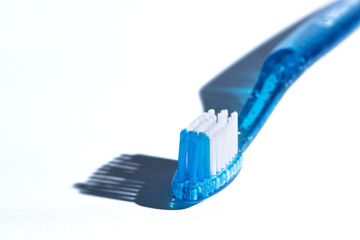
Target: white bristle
195,123
203,126
212,155
227,156
212,112
222,116
205,121
211,132
221,149
234,119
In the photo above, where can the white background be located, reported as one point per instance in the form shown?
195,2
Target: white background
82,82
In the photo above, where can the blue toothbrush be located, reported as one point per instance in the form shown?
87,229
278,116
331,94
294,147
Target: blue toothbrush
210,151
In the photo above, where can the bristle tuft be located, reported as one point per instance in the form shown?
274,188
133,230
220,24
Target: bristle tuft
209,158
208,145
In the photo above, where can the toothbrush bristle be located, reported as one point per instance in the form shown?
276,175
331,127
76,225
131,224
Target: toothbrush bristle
208,156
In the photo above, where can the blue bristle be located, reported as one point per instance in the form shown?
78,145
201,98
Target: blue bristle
193,155
200,159
183,148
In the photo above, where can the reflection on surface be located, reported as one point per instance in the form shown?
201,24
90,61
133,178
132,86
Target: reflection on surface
142,179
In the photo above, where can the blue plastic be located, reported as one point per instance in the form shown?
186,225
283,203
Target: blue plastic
314,37
306,44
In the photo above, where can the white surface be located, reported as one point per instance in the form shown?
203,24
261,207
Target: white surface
82,82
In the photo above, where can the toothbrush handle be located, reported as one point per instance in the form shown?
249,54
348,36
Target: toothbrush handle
323,30
291,57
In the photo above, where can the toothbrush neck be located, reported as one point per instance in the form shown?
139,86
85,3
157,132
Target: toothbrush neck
278,73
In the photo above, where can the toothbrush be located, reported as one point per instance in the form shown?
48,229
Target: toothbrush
210,150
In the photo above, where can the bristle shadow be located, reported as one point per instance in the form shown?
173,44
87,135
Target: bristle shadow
144,180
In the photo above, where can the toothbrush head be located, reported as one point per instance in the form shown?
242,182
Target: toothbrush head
209,157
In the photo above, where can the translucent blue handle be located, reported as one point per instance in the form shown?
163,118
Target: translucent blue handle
290,58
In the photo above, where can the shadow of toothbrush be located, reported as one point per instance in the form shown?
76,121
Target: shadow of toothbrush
141,179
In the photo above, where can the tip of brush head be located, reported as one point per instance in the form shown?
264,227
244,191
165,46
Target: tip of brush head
209,158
